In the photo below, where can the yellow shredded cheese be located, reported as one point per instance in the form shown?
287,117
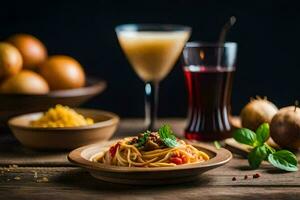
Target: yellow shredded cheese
61,116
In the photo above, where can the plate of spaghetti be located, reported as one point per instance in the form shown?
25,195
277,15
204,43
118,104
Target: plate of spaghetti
149,158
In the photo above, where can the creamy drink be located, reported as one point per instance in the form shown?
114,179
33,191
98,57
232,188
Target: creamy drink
153,54
152,50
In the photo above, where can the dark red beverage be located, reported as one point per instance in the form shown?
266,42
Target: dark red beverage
209,90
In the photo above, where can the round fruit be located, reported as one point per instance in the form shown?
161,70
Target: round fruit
285,127
256,112
25,82
10,60
32,49
62,72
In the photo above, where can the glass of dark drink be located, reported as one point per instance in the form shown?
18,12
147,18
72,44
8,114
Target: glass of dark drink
208,70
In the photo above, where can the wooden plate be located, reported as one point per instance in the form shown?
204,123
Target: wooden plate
17,104
64,138
147,176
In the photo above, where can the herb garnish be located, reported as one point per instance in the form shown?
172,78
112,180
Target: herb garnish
142,140
167,136
282,159
217,144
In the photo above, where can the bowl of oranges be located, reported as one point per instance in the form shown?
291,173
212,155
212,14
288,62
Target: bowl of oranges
31,80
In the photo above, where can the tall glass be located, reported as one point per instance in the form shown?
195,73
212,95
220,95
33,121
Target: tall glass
152,50
208,70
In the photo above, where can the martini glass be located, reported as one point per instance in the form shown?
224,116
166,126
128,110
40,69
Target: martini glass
152,50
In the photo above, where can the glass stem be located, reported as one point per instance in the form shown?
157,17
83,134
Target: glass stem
151,100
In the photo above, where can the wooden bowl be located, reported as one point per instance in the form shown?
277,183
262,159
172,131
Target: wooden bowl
64,138
147,176
17,104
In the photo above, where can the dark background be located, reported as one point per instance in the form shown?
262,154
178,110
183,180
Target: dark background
268,34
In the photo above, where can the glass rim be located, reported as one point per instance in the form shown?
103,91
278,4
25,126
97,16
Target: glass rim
195,44
152,27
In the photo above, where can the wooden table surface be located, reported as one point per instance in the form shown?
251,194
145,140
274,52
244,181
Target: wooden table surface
70,182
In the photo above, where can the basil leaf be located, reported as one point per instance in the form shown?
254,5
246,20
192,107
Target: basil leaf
284,160
263,133
245,136
166,135
256,156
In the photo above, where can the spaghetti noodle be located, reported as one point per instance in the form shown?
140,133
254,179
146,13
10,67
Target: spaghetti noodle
151,150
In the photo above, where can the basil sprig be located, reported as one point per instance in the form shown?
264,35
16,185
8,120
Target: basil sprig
282,159
167,136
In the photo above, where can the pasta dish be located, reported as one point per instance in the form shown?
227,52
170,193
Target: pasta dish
151,149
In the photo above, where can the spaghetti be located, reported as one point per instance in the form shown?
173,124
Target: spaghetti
155,149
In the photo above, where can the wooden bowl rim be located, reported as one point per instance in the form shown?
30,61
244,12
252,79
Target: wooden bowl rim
113,119
95,86
222,156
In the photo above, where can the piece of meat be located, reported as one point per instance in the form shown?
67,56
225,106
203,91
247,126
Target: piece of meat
150,145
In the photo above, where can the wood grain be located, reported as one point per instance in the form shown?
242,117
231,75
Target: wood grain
74,183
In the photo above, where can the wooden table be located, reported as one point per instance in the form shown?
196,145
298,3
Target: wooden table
64,181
